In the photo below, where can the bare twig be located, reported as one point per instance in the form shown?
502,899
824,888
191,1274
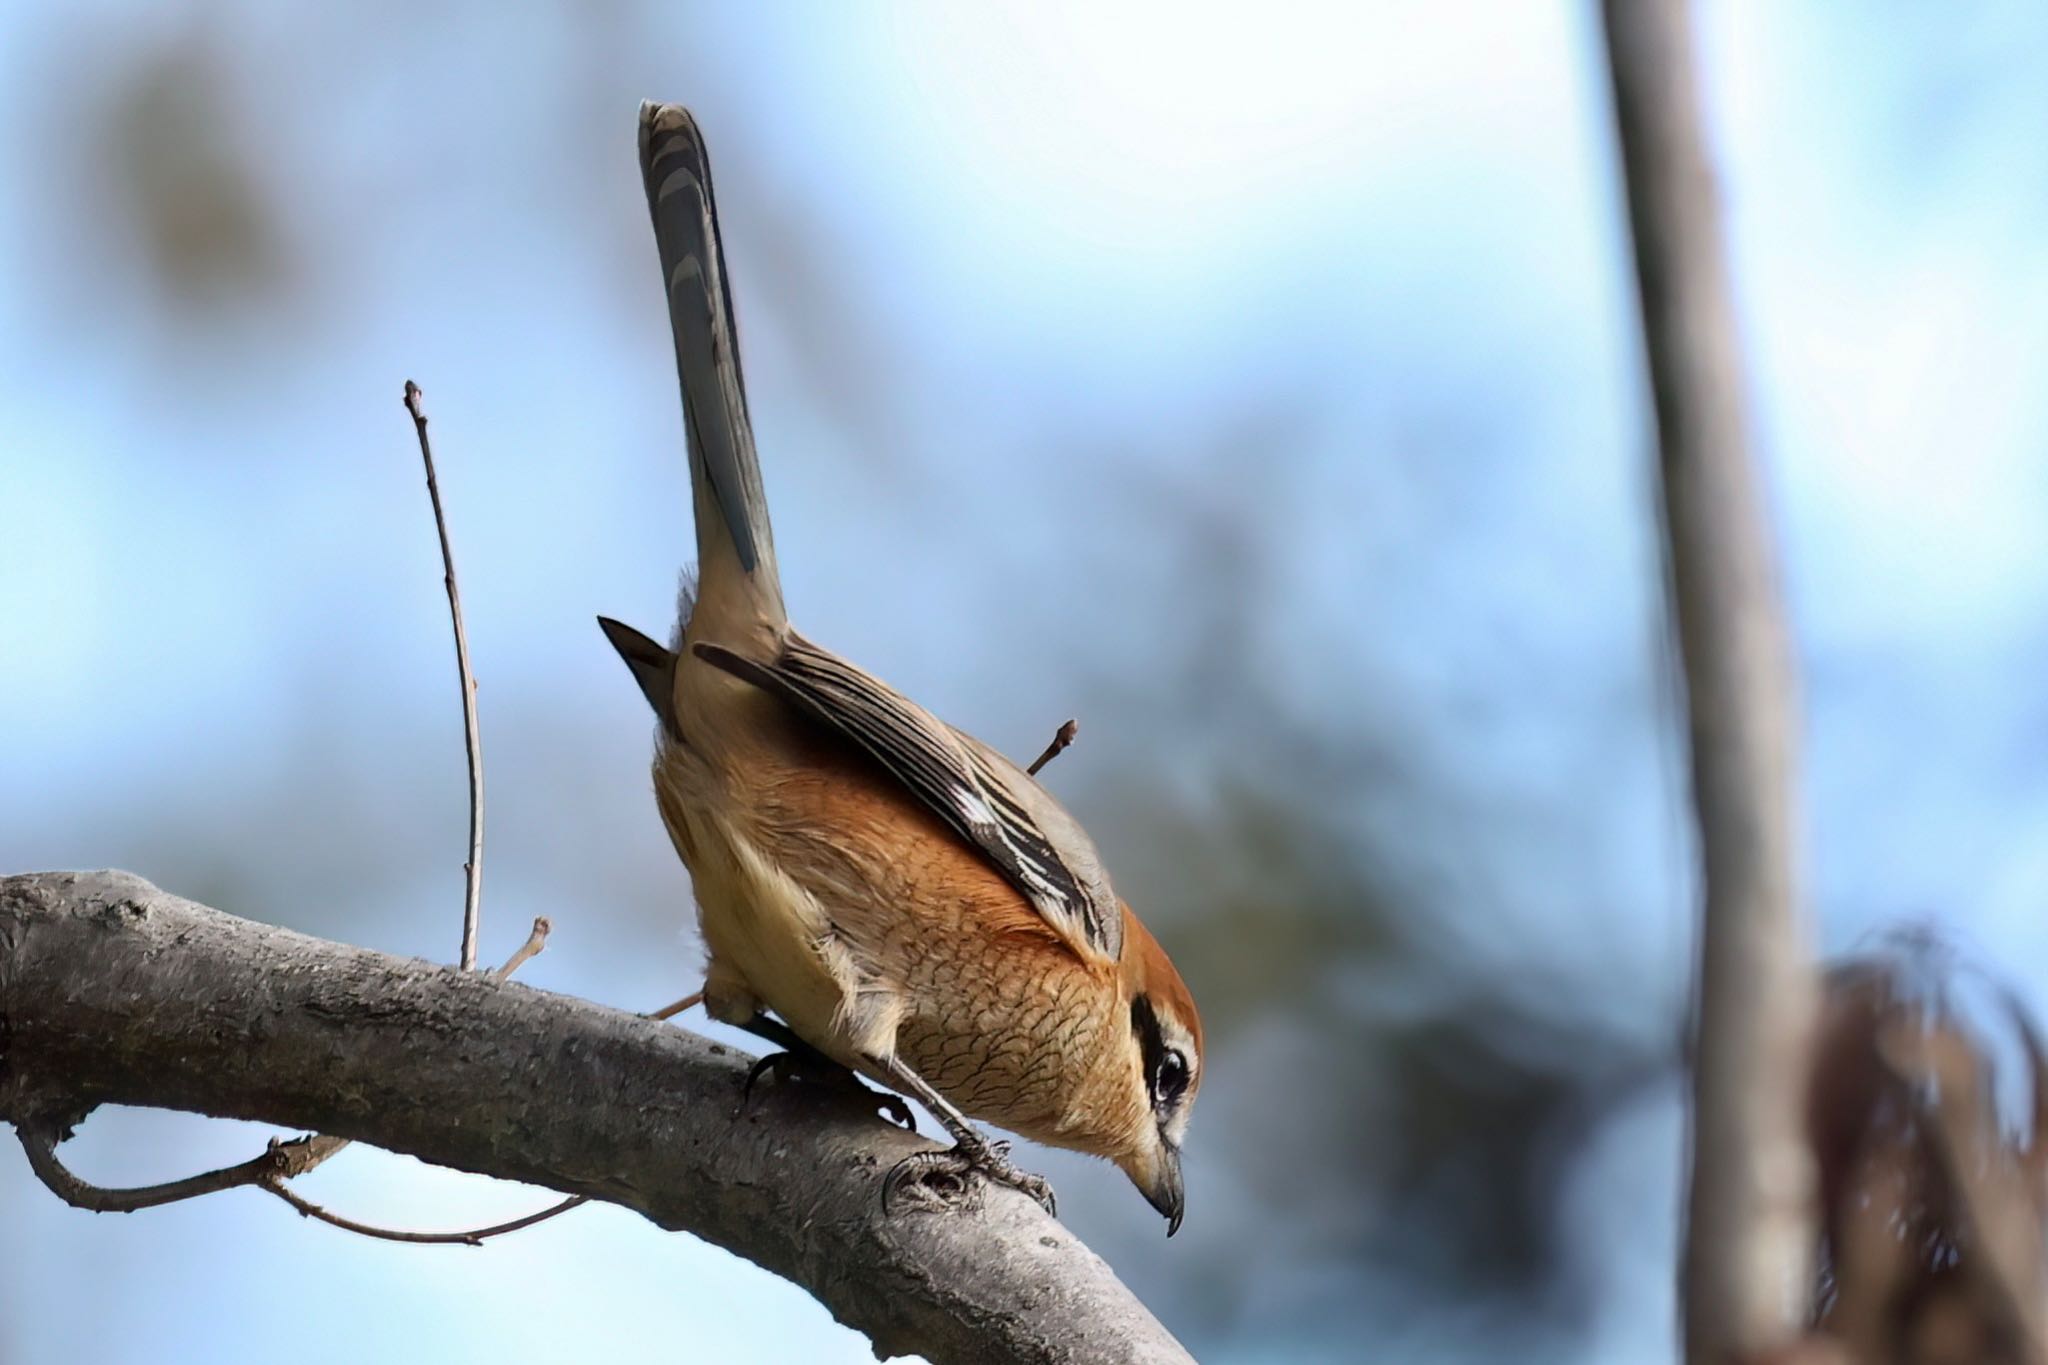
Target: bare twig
40,1148
1060,740
266,1172
536,939
671,1011
308,1152
473,870
473,1238
1749,1235
287,1159
279,1161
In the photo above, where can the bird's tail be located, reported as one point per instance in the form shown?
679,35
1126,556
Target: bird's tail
739,590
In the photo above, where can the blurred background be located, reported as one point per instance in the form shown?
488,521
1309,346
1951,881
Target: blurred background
1276,376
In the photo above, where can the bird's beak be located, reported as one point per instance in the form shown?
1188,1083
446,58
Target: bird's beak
1164,1191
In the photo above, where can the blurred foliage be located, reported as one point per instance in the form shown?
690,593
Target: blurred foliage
180,175
1433,1124
1933,1183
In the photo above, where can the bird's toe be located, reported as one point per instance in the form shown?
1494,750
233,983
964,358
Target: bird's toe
947,1177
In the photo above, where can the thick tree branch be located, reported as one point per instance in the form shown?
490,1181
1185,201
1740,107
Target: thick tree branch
113,992
1750,1233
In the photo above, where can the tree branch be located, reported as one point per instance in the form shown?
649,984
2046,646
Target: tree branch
1750,1234
113,992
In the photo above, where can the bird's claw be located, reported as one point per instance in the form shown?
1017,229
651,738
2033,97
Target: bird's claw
823,1071
990,1160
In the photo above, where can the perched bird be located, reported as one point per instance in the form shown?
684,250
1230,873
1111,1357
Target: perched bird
907,901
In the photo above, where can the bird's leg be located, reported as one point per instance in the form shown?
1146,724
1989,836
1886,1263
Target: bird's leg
970,1150
799,1059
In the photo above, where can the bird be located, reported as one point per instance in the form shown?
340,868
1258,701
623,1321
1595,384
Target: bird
877,890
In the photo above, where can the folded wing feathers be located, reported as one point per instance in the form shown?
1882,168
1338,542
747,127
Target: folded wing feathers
959,786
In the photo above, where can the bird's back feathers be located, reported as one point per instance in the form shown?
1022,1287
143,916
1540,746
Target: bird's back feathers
1000,811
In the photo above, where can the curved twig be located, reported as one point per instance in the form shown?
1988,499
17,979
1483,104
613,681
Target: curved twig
472,735
473,1238
38,1144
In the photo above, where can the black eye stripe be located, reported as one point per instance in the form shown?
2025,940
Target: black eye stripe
1151,1044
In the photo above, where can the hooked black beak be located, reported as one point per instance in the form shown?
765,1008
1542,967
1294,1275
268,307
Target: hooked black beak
1165,1193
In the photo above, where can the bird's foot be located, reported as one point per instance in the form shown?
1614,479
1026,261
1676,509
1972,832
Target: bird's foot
946,1175
815,1068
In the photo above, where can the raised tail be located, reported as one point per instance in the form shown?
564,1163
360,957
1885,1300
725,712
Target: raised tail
739,589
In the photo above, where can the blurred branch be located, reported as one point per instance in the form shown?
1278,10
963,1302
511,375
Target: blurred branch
114,992
1749,1223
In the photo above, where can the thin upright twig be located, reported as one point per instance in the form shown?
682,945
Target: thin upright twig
1749,1229
1060,740
284,1160
473,870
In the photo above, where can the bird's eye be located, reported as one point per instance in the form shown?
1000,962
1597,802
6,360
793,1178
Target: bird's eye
1172,1077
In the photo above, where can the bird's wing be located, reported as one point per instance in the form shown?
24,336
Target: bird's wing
999,810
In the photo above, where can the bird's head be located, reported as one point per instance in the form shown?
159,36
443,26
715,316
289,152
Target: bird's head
1166,1052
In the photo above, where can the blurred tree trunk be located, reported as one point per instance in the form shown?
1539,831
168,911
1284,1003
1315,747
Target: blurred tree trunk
1749,1224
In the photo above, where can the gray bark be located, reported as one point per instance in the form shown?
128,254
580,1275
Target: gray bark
112,991
1749,1224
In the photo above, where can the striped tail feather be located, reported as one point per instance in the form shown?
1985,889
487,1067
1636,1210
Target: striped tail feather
735,547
